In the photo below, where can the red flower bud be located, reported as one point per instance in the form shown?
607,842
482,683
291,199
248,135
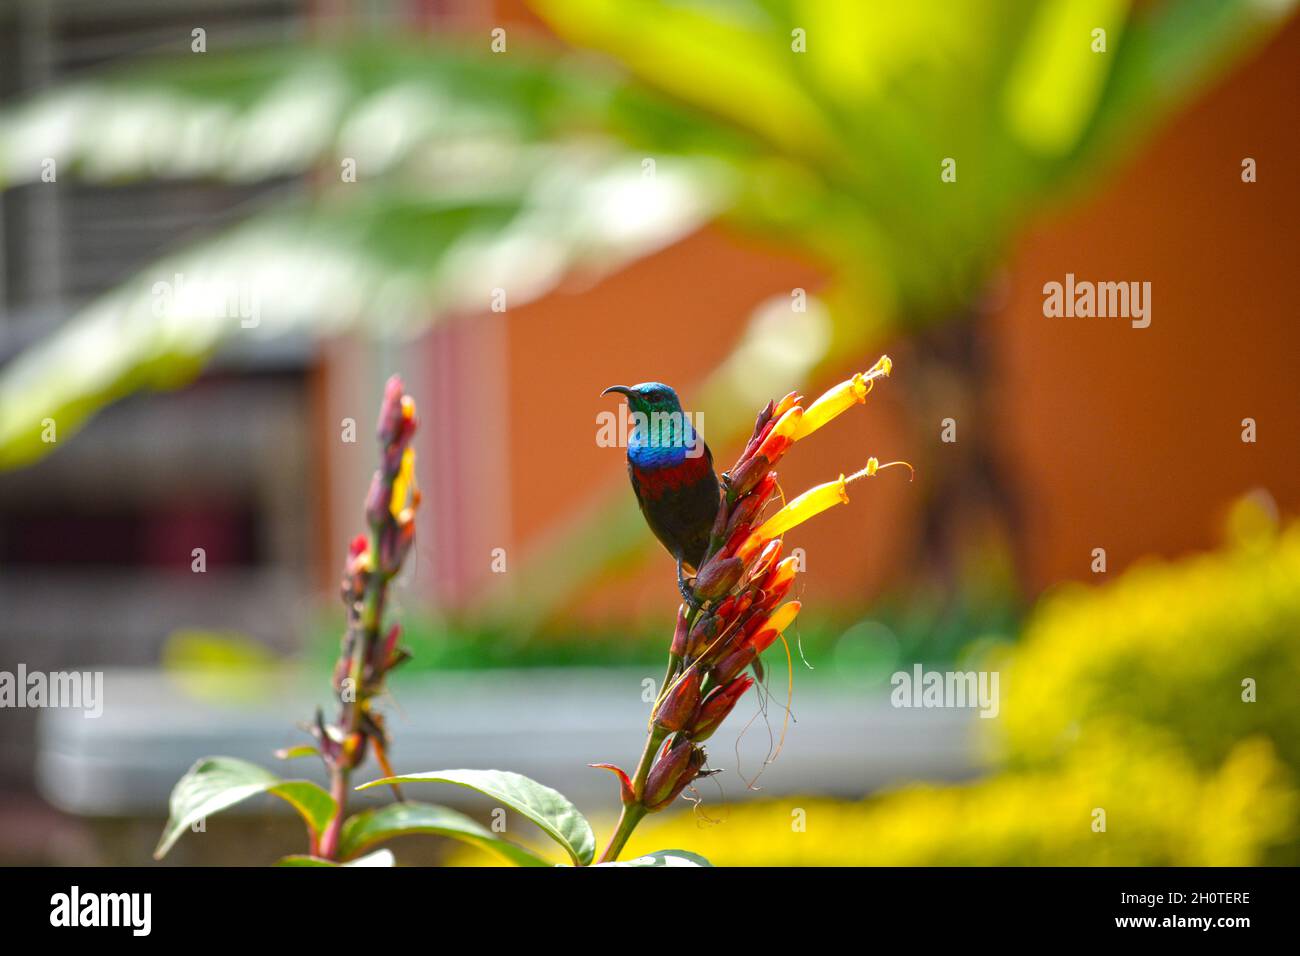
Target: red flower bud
702,634
781,435
771,551
717,577
390,411
761,426
394,543
717,706
358,546
720,521
734,623
747,507
676,768
377,501
734,663
678,648
679,704
747,476
385,652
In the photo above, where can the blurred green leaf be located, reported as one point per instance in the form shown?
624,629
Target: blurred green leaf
215,783
285,110
1058,76
548,808
365,829
391,260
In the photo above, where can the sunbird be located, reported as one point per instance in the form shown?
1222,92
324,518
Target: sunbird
671,468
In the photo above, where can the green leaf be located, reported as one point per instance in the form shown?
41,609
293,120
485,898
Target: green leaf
1057,78
378,858
215,783
365,829
548,808
732,62
285,109
663,858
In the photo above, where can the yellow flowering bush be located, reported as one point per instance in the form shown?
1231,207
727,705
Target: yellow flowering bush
1172,646
1159,811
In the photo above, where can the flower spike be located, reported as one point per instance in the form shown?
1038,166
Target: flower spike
736,606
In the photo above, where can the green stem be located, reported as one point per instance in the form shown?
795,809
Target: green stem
627,821
329,841
633,812
368,627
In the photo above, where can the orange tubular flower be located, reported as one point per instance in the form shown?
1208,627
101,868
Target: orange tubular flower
782,434
775,625
778,581
787,403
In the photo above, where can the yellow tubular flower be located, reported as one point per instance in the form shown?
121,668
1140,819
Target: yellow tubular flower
403,484
809,504
841,398
812,502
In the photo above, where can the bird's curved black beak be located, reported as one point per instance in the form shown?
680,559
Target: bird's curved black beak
620,389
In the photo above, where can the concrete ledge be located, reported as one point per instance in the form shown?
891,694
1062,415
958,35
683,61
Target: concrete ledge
549,724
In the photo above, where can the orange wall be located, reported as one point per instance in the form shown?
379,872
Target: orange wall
1129,439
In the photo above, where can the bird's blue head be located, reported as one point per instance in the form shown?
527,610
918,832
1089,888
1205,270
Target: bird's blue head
661,430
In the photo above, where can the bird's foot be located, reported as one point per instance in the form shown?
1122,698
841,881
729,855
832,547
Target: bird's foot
684,586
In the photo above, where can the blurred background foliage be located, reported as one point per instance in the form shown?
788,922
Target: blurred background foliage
513,170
